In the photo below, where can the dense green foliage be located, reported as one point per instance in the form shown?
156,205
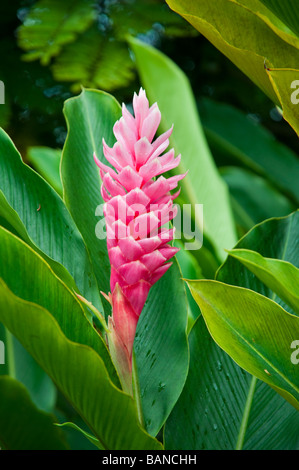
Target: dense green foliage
216,349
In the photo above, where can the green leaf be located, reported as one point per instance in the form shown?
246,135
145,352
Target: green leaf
287,12
276,238
12,222
190,270
285,82
38,215
90,117
266,44
87,435
22,425
21,366
162,79
255,331
50,24
280,276
46,161
252,147
37,283
223,407
273,238
78,372
254,199
161,349
283,428
259,8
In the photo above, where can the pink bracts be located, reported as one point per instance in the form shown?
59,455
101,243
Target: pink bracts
138,203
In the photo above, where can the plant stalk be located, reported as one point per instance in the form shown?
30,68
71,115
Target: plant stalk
136,389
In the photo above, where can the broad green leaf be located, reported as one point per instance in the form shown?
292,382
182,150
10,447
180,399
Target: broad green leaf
190,270
285,82
268,16
280,276
39,216
90,117
22,425
255,331
286,12
78,372
166,83
223,407
276,238
161,349
50,24
250,146
46,161
37,283
283,422
20,365
11,220
260,42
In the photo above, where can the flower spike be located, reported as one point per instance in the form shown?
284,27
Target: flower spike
138,204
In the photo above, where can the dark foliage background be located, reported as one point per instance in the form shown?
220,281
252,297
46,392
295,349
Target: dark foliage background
44,60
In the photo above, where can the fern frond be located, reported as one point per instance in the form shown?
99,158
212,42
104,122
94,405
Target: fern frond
50,24
94,61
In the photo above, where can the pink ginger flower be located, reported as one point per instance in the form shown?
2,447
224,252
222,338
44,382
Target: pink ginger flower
138,203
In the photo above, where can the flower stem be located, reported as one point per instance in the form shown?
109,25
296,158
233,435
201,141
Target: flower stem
136,389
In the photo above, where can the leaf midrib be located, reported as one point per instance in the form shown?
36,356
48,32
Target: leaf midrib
256,351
